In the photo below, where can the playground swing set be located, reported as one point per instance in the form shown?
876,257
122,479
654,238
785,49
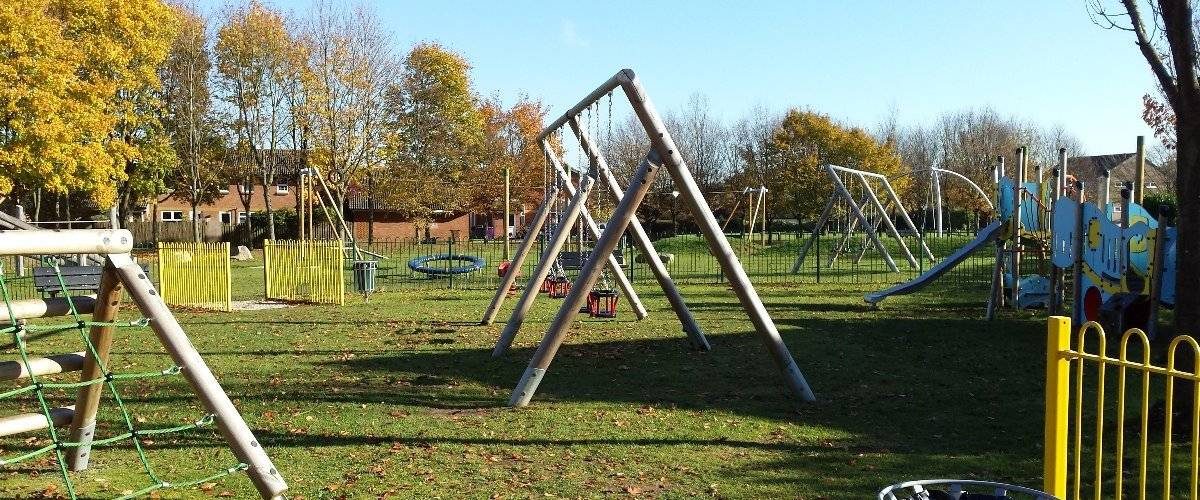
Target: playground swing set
868,212
663,153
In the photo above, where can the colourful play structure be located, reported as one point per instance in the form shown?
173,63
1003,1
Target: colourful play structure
1116,258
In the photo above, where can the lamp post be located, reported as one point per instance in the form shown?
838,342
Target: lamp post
675,213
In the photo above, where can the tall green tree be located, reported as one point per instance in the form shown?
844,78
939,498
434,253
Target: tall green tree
436,134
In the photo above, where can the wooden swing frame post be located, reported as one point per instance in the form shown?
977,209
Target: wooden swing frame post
663,153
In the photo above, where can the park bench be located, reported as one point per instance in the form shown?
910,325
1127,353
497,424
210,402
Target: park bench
74,278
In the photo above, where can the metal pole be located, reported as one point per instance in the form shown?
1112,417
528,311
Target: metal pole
717,244
937,197
567,219
233,428
695,334
87,400
518,260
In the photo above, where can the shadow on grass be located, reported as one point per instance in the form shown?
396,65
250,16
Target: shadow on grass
902,384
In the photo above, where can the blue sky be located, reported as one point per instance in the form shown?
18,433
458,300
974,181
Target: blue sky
855,60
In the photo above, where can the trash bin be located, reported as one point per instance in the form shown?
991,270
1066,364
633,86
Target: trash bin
364,276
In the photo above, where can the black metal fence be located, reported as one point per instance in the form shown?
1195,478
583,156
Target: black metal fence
833,258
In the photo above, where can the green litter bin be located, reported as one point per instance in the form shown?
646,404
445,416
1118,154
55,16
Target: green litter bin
364,276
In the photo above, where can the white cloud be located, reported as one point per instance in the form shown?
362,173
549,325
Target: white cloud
570,36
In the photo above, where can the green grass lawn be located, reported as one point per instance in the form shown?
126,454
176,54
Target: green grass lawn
400,396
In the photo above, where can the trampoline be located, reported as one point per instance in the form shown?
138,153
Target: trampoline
421,264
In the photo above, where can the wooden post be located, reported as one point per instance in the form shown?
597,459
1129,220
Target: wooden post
553,247
887,222
655,263
1055,272
1016,247
690,193
518,260
1156,274
1139,187
507,210
590,271
861,217
87,400
1077,313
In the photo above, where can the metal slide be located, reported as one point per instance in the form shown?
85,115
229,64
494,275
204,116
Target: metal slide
985,236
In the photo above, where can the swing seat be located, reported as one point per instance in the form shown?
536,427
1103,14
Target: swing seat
602,303
560,286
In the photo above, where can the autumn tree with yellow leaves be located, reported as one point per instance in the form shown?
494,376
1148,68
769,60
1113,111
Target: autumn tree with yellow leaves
436,135
79,104
797,149
259,66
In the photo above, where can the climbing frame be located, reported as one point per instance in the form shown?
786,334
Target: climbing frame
73,448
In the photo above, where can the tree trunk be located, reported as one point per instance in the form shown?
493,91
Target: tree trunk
1187,280
195,222
154,225
270,213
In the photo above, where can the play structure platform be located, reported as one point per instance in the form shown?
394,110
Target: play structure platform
985,236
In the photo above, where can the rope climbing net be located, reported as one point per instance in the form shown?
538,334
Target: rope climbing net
20,333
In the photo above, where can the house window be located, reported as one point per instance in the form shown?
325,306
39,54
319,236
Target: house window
281,189
226,218
241,217
246,188
170,215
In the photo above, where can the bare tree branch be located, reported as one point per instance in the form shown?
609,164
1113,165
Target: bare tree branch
1165,79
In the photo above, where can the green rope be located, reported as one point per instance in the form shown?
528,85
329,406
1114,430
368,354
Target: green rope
22,333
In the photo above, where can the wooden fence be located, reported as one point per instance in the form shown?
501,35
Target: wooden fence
195,274
305,271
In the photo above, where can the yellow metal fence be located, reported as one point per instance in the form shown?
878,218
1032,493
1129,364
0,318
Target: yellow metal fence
305,271
1087,451
195,274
